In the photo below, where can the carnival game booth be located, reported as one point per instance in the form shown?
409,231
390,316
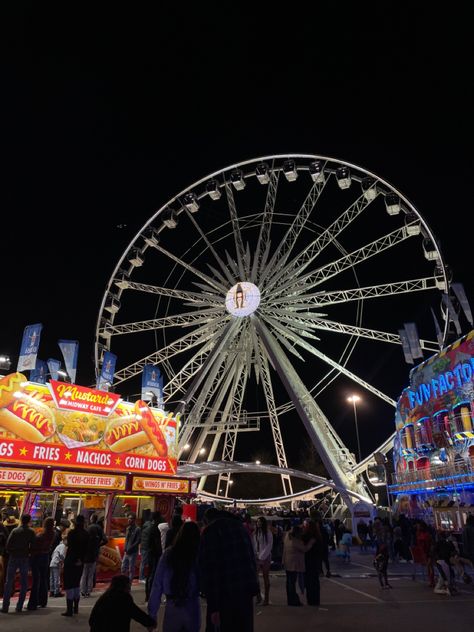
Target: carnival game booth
67,450
434,441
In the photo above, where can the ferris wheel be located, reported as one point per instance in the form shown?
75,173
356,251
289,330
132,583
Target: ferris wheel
260,290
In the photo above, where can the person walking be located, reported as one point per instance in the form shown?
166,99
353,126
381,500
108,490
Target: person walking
263,550
177,577
115,609
77,542
228,572
132,542
39,563
19,545
381,565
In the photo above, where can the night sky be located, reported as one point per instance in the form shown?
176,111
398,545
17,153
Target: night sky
106,114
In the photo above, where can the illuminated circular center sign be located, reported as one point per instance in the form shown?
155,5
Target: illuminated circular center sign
242,299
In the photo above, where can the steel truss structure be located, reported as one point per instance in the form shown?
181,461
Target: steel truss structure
262,282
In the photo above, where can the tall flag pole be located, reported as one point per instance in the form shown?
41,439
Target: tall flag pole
29,347
70,349
152,385
458,289
106,377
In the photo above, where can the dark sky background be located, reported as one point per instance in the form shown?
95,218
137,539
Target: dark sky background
108,112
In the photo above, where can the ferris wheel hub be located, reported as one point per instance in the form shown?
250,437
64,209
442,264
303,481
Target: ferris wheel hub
242,299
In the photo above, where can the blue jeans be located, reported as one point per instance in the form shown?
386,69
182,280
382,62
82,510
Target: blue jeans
128,564
16,563
55,580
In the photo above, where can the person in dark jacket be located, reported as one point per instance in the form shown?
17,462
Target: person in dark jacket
39,563
77,541
154,550
115,609
176,522
312,561
18,547
96,539
132,542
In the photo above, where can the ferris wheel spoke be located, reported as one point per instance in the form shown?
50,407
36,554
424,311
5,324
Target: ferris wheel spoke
239,244
211,249
313,279
208,280
192,339
282,252
342,369
325,298
311,252
173,293
176,384
266,223
185,319
372,334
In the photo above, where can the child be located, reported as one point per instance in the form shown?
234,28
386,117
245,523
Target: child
55,566
346,543
381,564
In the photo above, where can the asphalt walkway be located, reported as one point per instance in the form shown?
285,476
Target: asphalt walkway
351,600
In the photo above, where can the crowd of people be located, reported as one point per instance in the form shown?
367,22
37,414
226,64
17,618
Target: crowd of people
226,558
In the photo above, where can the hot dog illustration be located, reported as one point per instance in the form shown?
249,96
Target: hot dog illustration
151,427
122,436
30,418
9,385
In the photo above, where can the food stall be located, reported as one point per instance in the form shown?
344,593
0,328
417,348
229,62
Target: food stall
66,450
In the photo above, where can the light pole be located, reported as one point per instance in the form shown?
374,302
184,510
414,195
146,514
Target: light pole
354,399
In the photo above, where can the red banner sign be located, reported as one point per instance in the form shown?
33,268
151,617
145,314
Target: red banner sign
83,399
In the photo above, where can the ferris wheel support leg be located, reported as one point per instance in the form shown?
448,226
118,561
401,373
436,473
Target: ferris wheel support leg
310,414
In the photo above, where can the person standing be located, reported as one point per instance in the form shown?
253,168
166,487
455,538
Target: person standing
228,572
77,541
3,554
154,551
176,523
132,542
19,544
39,562
177,578
312,561
468,538
96,539
55,566
263,550
144,549
293,561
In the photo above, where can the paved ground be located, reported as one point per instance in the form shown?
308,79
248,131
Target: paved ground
350,600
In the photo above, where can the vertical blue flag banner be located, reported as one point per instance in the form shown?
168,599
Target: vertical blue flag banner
53,368
106,377
29,347
152,385
70,349
40,372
